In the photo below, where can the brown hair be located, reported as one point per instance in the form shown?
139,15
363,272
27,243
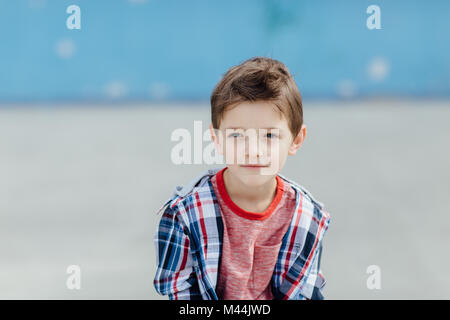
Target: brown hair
259,78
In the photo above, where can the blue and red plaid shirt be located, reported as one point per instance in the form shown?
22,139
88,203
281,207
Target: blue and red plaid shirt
188,245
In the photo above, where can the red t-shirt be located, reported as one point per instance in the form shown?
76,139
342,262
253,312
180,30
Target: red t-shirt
251,242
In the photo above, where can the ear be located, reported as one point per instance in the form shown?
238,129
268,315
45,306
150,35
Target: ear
297,141
216,138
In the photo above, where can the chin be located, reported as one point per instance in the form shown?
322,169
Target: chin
254,179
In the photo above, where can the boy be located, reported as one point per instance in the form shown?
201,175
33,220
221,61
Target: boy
245,231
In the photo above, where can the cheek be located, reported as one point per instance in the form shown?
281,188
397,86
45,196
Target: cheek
278,146
279,151
231,145
232,148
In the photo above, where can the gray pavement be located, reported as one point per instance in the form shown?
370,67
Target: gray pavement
81,186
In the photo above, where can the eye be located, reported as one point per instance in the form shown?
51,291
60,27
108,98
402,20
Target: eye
272,135
234,135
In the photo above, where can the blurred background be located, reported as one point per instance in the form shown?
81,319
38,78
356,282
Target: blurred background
86,117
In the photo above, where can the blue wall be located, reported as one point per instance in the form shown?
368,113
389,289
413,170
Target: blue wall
177,50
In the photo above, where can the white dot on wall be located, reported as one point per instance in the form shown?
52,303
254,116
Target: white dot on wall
115,89
159,90
378,68
65,48
346,88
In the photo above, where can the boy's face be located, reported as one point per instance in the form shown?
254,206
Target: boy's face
255,133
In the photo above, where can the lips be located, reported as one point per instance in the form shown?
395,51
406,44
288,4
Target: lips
254,166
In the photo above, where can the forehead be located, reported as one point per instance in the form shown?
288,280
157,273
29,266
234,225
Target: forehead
259,114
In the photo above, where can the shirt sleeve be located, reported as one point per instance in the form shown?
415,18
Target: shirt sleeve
311,281
175,275
313,287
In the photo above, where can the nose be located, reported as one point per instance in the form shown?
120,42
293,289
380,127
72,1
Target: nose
253,151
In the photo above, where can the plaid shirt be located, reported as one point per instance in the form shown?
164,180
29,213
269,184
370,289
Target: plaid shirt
188,244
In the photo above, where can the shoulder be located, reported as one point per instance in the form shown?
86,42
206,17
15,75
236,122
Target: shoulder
185,194
313,207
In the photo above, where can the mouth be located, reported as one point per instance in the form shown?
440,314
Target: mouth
254,166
